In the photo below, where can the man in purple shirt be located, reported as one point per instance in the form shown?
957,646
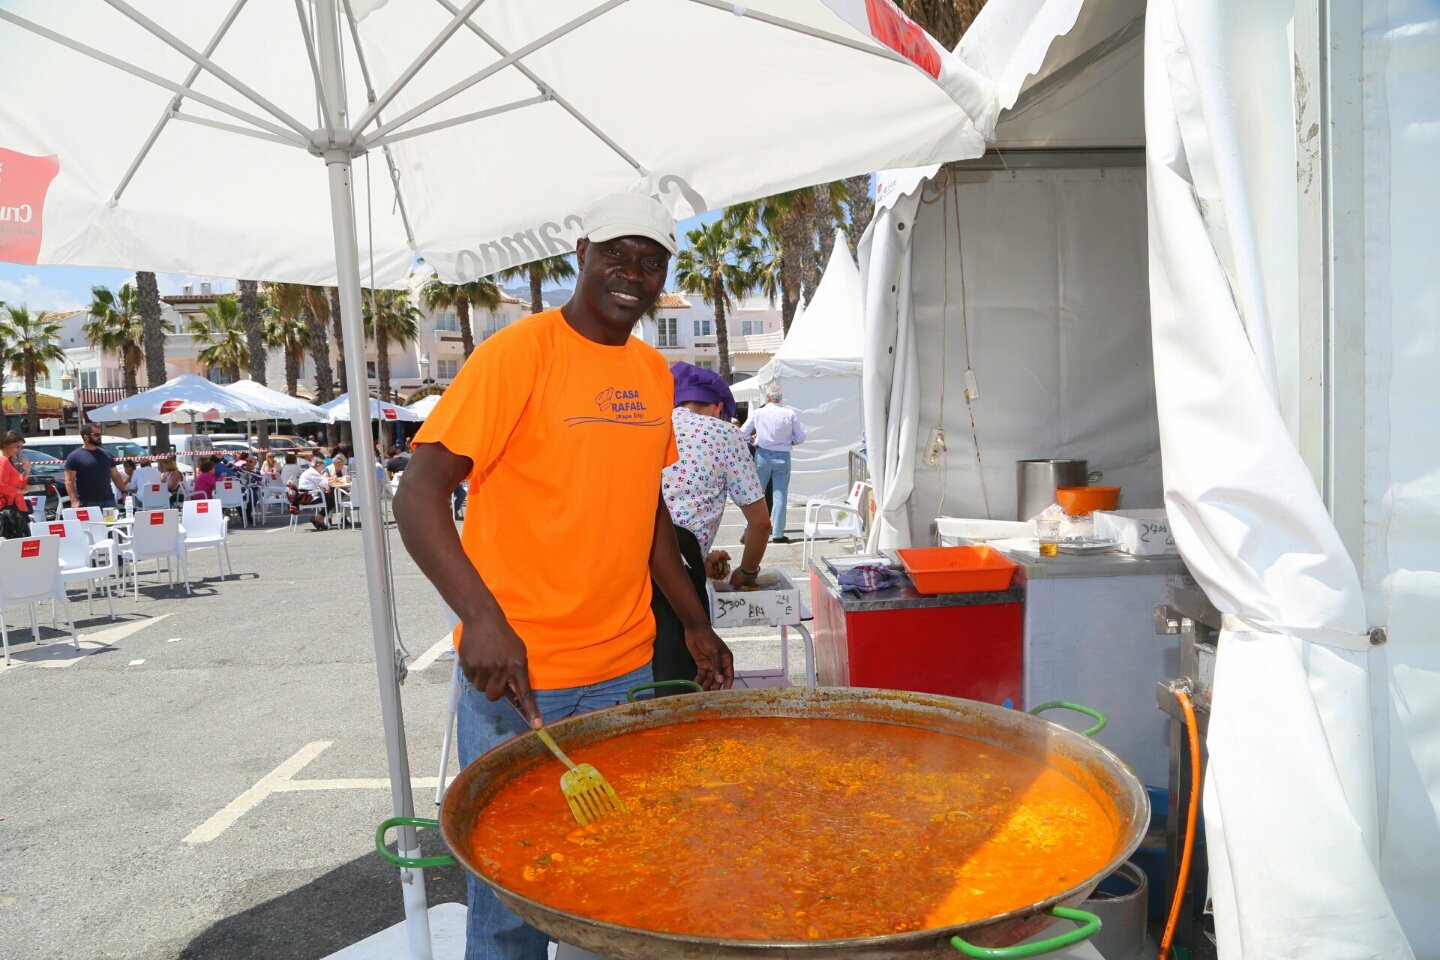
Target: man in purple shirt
774,429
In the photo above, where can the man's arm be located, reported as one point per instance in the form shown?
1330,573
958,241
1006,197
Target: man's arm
492,655
797,432
70,488
712,657
757,536
748,430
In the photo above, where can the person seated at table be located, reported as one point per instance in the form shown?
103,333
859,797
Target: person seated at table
144,474
222,467
395,461
338,471
127,469
173,479
313,487
291,471
269,468
204,480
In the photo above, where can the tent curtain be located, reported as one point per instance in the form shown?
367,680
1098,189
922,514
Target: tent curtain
1291,801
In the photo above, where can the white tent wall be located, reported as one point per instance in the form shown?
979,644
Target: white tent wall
1050,309
1401,69
829,410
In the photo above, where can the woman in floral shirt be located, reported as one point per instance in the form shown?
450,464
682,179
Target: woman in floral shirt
714,464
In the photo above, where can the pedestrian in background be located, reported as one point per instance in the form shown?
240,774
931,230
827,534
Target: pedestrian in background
775,429
91,476
14,508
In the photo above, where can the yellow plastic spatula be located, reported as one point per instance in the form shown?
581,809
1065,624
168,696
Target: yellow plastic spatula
589,794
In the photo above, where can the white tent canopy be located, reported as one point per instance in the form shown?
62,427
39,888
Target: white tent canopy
818,369
747,390
288,408
1290,328
339,410
184,399
422,407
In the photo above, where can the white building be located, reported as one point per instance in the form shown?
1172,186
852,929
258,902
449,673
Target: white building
684,329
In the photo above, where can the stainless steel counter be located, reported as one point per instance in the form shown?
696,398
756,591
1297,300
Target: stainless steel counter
1114,564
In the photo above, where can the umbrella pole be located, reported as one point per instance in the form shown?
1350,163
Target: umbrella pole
347,263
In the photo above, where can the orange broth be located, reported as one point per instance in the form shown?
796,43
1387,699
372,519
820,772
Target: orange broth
784,829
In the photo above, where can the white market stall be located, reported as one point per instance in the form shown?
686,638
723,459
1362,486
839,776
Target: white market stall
339,411
184,399
818,368
1270,344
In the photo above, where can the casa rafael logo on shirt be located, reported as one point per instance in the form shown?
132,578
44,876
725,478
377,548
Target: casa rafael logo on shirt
620,403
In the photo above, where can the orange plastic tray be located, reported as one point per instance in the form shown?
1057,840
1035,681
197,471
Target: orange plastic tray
1081,501
976,569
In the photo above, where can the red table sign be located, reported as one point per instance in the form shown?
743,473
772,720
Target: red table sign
29,548
157,519
57,529
202,506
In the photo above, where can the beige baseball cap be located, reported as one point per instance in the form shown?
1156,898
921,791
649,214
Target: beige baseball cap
630,215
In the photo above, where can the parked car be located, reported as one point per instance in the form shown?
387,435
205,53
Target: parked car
47,479
119,447
282,443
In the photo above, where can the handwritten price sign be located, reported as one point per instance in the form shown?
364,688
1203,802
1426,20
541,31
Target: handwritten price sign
756,608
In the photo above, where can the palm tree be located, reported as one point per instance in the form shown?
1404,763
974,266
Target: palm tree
31,343
286,330
117,329
315,308
829,205
715,267
539,273
945,20
390,318
222,334
153,323
861,207
253,320
484,292
785,216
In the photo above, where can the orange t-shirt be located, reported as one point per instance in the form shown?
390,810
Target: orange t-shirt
568,438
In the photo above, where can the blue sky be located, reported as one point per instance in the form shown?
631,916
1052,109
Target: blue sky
68,288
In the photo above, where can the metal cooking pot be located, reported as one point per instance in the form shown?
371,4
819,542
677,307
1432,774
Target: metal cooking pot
1037,480
1098,771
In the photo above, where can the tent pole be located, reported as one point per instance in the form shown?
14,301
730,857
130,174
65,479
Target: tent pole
347,264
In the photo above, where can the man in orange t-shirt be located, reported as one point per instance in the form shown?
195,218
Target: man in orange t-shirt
561,423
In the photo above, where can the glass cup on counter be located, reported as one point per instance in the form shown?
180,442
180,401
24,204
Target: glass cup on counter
1047,534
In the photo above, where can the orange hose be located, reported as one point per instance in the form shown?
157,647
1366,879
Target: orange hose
1193,731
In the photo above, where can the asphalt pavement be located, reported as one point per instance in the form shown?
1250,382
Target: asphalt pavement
205,781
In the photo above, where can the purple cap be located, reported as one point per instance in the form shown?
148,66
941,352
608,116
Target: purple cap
692,384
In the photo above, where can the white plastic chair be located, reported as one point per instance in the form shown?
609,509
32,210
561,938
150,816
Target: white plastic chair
37,507
346,507
84,514
231,494
272,494
29,573
78,556
206,525
840,519
316,506
154,496
156,536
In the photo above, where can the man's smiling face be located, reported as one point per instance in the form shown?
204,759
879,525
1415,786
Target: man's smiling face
621,279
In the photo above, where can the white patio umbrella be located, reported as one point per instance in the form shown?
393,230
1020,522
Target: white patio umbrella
290,408
339,410
188,137
184,399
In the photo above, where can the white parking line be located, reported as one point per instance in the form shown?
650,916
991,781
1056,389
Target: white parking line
59,652
434,653
280,780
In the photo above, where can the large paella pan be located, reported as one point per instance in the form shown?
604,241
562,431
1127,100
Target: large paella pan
801,822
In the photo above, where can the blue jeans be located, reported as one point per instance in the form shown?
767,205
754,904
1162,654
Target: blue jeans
492,931
774,465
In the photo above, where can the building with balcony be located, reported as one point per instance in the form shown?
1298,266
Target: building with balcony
684,329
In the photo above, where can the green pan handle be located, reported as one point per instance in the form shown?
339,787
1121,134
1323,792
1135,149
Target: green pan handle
415,863
1091,926
691,685
1100,721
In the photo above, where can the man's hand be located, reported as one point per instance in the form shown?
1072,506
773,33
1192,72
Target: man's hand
494,660
712,657
717,564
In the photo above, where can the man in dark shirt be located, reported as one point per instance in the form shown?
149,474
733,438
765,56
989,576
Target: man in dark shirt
89,472
396,461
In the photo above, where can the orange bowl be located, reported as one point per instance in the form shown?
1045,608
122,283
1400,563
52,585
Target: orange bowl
1081,501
